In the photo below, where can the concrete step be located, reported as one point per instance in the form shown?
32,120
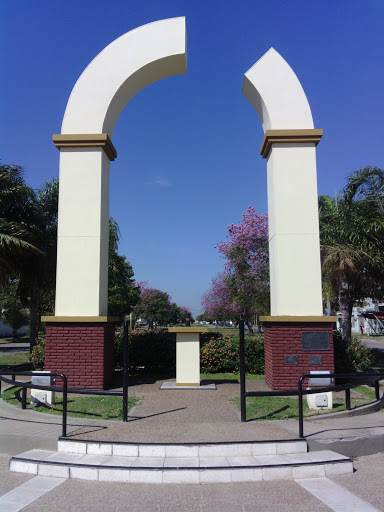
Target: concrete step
156,464
234,449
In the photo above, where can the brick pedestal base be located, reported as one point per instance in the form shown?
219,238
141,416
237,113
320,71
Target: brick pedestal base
83,351
286,352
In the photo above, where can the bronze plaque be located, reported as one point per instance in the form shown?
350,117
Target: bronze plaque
318,360
315,340
291,360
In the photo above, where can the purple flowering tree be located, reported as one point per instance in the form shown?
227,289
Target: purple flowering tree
242,290
154,305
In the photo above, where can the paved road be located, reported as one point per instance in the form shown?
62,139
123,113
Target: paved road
11,348
374,344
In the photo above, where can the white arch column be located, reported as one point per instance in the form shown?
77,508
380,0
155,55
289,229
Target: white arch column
130,63
289,145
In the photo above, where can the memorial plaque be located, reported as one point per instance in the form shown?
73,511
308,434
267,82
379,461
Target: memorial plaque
291,360
315,340
316,360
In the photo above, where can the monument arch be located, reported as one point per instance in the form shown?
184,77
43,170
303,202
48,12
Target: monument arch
136,59
80,335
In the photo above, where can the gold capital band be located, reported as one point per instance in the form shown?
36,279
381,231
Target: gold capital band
86,140
288,136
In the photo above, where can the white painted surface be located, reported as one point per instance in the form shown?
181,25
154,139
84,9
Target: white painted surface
295,273
187,358
83,231
130,63
335,496
313,400
276,94
28,492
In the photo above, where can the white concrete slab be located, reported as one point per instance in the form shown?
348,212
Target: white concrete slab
181,462
242,461
297,447
148,462
71,447
171,385
53,470
247,475
334,496
264,449
99,449
215,476
116,460
151,451
181,451
125,450
213,462
238,450
36,454
212,450
113,475
28,492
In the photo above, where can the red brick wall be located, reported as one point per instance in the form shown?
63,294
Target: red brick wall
82,351
284,338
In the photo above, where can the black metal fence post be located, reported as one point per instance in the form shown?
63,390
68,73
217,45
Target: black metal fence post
301,415
65,406
242,373
377,389
24,398
348,399
125,372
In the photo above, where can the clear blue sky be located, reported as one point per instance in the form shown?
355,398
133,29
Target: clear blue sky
188,146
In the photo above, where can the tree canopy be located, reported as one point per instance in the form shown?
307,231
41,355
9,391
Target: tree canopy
123,292
16,201
28,253
352,241
242,290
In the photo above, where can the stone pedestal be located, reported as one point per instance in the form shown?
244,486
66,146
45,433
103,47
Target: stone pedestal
82,348
187,355
295,346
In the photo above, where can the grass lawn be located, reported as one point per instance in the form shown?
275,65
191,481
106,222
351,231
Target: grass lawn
93,407
15,358
283,408
378,360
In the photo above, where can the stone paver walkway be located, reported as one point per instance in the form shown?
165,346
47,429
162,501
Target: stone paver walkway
177,416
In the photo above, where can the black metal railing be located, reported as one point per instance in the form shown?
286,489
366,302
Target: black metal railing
360,379
26,385
10,371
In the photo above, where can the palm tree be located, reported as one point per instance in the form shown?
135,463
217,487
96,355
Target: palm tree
16,240
28,234
352,240
38,270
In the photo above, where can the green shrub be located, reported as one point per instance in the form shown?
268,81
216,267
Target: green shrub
350,355
156,352
221,354
206,337
38,354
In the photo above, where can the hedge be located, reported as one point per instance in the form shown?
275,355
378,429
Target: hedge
155,351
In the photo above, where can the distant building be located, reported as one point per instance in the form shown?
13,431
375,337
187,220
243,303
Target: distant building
371,316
